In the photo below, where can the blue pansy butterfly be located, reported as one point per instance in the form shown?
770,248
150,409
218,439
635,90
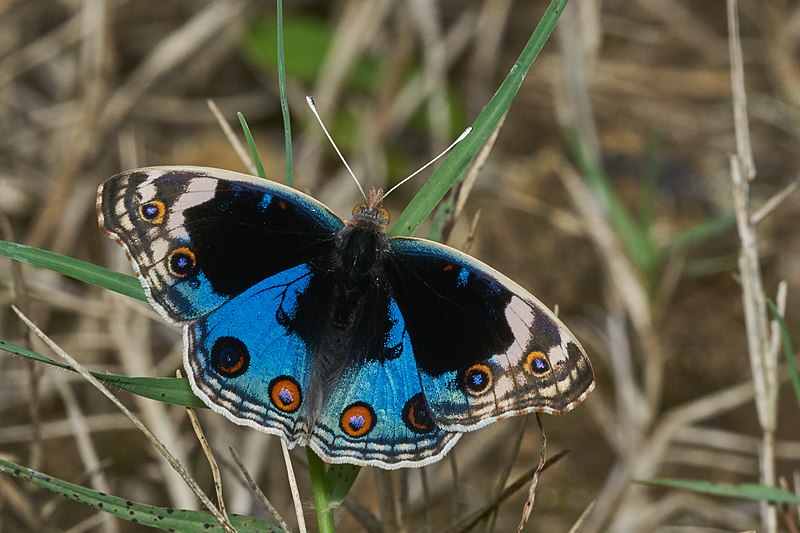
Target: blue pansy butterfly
372,350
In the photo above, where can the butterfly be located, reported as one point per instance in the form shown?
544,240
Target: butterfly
372,350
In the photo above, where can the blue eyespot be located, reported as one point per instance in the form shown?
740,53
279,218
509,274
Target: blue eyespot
537,364
229,357
153,211
182,262
477,379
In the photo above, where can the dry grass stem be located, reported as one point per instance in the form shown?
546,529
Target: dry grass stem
257,492
776,200
212,461
137,359
763,360
222,519
233,140
528,507
298,504
86,449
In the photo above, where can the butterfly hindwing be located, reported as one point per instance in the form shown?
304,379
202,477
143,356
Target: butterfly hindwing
245,362
485,347
377,414
198,237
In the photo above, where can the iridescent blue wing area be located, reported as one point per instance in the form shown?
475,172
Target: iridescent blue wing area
377,415
485,347
246,363
197,237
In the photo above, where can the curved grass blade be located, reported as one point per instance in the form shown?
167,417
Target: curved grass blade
454,164
74,268
287,120
252,144
147,515
340,479
747,491
175,391
788,351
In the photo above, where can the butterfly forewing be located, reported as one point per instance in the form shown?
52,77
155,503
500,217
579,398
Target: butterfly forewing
198,237
485,348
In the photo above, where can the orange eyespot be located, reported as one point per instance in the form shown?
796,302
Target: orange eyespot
181,262
358,419
153,211
477,379
285,394
283,205
448,267
537,364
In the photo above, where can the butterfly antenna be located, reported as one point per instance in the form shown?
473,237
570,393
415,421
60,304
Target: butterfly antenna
429,163
319,119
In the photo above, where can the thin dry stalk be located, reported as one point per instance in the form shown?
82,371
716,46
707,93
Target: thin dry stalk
528,507
173,461
259,494
763,360
137,359
233,140
298,504
86,449
765,210
212,461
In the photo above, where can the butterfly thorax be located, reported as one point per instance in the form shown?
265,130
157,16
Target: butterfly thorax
349,332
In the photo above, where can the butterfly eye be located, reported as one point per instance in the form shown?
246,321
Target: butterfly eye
385,214
356,208
284,391
153,211
416,415
477,379
181,262
537,364
229,357
358,419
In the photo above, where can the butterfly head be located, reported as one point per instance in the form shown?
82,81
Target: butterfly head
371,214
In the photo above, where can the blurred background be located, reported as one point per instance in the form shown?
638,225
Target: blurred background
641,87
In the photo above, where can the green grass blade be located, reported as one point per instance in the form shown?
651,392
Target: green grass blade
747,491
791,362
175,391
649,183
448,172
702,232
287,121
74,268
319,488
340,480
252,144
165,518
635,240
